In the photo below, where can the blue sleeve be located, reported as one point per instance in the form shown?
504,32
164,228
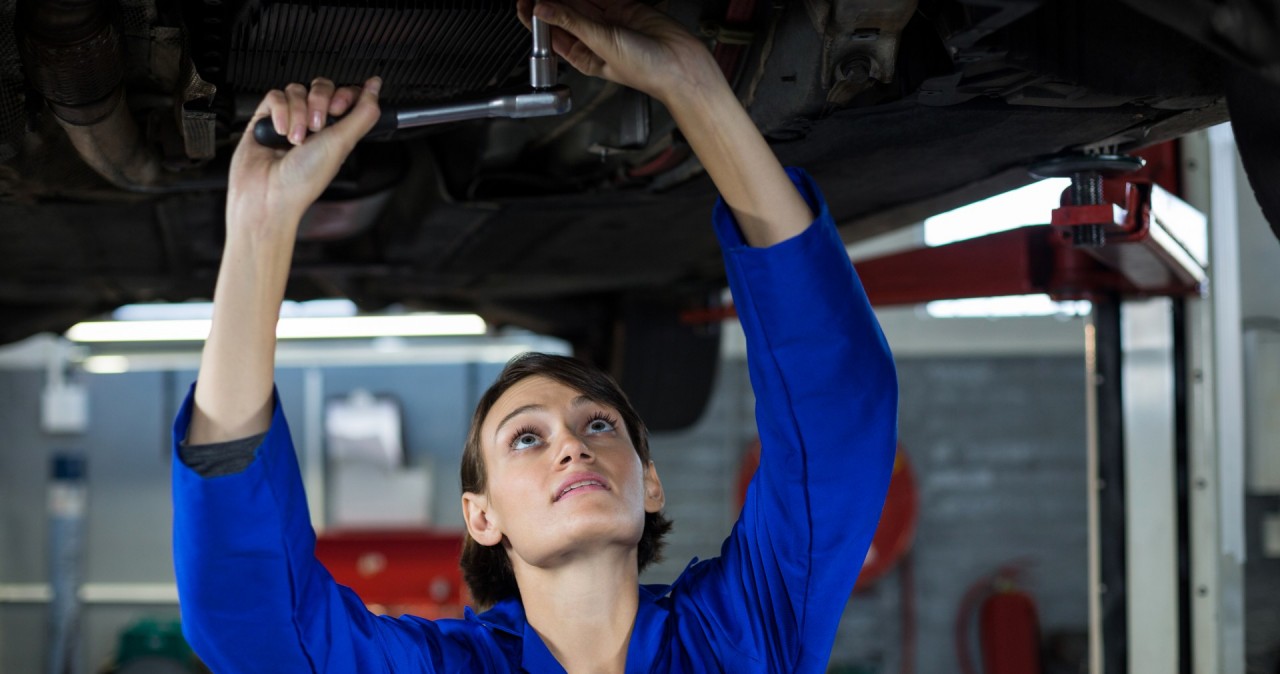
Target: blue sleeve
826,411
253,596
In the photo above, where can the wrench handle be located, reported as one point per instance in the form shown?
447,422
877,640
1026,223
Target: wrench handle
265,132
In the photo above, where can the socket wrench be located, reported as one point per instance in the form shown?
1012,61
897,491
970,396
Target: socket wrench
543,98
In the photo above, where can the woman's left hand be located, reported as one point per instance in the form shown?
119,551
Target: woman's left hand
627,42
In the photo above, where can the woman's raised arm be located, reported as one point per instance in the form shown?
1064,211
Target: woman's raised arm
253,595
268,192
826,391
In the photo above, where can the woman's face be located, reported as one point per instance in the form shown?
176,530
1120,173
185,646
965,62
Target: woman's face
563,479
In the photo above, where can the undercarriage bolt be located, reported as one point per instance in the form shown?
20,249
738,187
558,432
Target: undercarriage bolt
1086,190
856,70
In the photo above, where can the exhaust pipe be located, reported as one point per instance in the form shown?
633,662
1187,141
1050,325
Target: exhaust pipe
71,54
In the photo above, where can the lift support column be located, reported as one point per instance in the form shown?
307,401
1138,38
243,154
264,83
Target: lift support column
1158,582
1142,262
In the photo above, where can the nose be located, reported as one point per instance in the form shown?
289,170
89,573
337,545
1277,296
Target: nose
574,448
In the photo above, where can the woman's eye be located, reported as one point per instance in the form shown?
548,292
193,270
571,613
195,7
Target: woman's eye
600,426
525,441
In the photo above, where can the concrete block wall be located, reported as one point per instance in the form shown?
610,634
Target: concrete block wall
998,446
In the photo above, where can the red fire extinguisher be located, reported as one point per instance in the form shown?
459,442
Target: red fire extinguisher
1008,626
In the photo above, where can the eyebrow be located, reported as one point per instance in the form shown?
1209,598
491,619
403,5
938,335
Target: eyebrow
535,407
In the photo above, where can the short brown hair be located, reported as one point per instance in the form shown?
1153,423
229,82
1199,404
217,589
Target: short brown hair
487,569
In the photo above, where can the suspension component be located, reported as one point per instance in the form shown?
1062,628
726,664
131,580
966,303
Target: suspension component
1086,212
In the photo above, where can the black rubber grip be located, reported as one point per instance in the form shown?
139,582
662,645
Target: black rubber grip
265,132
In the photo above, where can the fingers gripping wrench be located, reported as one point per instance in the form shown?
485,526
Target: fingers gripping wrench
543,98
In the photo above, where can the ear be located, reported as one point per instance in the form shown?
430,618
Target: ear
481,523
654,497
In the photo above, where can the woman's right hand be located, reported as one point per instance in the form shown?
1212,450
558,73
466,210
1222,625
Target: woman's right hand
272,188
268,192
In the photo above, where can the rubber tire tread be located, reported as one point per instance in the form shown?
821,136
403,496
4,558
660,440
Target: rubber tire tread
666,366
1254,104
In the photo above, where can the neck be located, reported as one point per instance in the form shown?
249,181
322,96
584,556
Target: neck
583,610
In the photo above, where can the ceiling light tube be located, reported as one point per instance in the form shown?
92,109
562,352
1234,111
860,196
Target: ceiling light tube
353,327
106,364
1010,306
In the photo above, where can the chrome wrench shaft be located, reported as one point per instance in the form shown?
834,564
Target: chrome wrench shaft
544,98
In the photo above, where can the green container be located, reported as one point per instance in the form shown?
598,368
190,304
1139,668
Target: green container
154,637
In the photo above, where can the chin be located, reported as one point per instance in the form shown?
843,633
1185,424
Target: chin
596,530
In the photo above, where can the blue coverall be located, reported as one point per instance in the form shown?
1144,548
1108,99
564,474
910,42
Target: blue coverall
254,598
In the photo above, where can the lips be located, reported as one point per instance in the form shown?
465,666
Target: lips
579,482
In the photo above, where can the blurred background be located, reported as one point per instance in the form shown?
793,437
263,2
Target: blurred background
983,560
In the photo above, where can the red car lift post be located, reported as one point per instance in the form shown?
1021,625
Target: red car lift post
1153,245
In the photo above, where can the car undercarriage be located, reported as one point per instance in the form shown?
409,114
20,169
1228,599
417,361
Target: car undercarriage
118,118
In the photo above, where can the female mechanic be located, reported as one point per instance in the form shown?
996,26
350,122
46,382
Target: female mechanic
561,504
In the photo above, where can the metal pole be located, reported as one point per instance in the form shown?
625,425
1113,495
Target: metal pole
1216,452
1108,624
1182,445
1150,490
314,468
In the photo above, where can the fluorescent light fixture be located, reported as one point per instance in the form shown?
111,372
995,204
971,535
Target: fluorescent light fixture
349,327
204,310
106,364
1029,205
303,354
164,312
1007,307
139,331
407,325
